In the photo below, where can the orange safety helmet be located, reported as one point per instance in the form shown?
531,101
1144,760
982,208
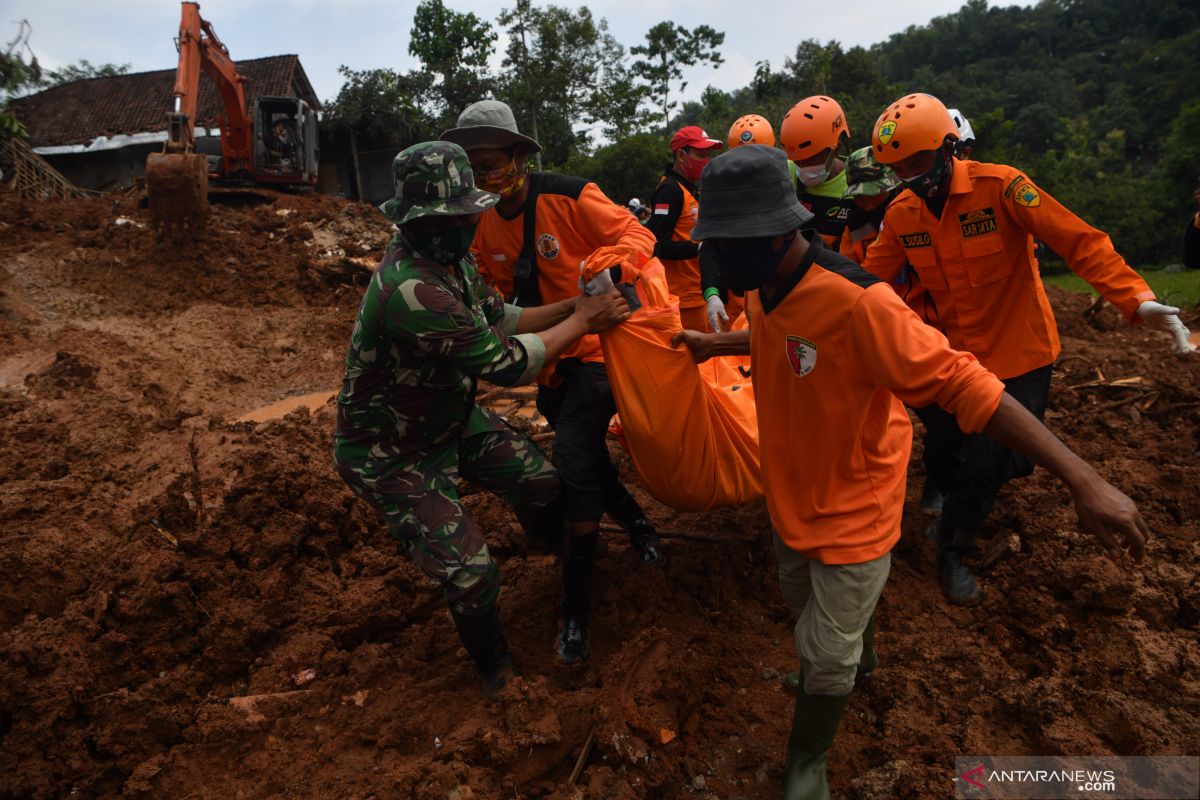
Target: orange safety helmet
812,125
751,129
912,124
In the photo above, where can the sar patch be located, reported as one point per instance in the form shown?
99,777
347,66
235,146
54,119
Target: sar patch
801,355
921,239
1012,186
977,223
886,131
1027,196
746,136
547,246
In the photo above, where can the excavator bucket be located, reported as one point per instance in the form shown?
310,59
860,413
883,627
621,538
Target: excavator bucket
177,186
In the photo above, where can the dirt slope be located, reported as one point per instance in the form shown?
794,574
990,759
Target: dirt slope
195,607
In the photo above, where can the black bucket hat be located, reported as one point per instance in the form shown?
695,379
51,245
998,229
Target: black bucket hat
746,193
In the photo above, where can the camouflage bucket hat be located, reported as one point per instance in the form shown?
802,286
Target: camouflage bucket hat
867,177
434,178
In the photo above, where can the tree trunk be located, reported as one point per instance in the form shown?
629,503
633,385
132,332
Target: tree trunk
358,187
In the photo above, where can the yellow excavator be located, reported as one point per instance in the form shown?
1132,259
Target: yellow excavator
273,144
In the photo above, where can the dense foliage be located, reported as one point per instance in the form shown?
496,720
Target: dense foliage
1096,99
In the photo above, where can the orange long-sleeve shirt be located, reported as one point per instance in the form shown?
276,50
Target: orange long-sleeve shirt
977,263
574,218
832,360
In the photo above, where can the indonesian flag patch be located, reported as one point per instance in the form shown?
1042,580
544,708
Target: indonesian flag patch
662,208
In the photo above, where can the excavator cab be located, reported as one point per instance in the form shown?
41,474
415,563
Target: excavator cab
285,141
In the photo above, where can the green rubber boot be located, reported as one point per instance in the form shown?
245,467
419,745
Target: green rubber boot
866,663
813,727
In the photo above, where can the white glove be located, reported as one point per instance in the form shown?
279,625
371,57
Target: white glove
601,283
716,314
1166,318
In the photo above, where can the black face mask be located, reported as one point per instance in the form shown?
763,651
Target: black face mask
746,264
929,183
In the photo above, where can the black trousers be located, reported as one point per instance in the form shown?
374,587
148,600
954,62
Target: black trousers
971,469
579,410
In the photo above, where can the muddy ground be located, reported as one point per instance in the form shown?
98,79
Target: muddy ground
193,606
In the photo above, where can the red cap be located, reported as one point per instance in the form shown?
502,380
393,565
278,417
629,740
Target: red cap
693,136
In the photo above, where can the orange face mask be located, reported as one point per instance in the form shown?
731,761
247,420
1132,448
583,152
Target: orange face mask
505,181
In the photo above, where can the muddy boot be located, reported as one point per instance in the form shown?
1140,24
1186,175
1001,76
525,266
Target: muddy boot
931,497
867,662
482,636
958,584
620,505
544,526
578,562
813,727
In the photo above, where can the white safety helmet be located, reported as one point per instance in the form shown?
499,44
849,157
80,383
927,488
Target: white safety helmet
966,136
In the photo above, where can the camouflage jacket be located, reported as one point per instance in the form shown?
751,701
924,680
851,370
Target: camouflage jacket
425,332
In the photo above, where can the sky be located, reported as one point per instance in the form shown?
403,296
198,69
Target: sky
365,34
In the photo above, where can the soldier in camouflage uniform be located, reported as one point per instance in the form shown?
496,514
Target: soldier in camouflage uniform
408,427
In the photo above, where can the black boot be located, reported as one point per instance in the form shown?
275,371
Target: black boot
931,497
578,563
544,526
813,727
620,505
482,636
958,584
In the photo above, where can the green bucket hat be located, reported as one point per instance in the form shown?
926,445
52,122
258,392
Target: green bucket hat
489,123
434,178
867,177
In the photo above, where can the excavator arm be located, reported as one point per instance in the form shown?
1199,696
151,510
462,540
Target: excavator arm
200,49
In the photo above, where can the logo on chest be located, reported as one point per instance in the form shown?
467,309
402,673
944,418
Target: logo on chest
977,223
921,239
801,355
547,246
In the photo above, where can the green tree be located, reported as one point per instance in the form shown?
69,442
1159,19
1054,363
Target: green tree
565,74
453,48
669,48
17,75
79,71
375,108
629,167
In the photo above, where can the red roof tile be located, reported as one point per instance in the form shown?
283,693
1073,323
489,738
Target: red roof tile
78,112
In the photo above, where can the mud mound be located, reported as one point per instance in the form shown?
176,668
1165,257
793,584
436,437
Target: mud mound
193,606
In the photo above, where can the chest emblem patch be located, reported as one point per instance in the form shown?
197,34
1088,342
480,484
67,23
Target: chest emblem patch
977,223
801,355
547,246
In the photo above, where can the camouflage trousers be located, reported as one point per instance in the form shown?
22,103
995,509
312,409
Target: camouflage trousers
429,519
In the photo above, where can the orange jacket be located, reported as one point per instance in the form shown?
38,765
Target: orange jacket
574,218
977,262
906,283
831,363
673,212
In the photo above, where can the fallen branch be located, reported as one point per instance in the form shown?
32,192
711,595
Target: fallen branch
583,754
1136,382
691,537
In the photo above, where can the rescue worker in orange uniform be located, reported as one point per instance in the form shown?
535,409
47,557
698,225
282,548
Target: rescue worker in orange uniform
816,136
872,186
673,209
530,246
834,354
967,230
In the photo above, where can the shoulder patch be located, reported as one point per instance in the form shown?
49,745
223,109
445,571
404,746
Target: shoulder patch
1012,186
977,223
1026,195
920,239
